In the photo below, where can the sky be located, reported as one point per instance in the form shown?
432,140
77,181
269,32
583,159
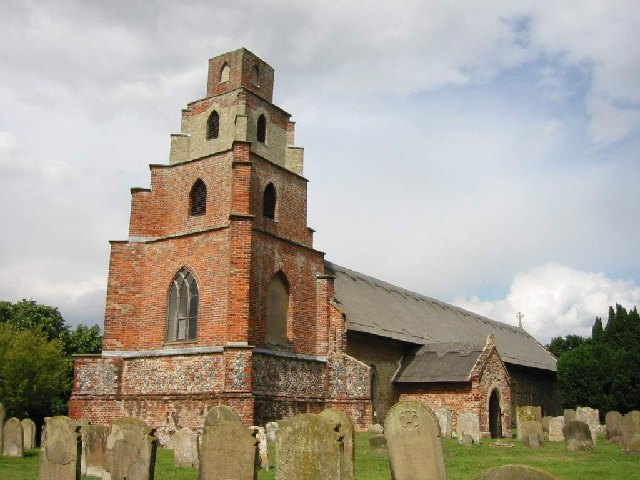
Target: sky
486,154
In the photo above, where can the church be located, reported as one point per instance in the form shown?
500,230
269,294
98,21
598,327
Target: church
219,297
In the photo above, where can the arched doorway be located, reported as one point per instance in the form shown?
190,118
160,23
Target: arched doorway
495,415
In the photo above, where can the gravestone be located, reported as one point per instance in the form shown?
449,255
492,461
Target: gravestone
569,414
531,429
13,439
94,445
469,423
590,416
415,446
347,431
130,450
272,431
545,424
309,447
2,415
60,452
375,429
185,448
466,440
378,445
221,413
526,414
444,420
229,451
631,432
515,472
263,450
556,424
578,436
613,422
533,441
29,434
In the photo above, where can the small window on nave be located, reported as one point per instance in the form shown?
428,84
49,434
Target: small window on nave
182,308
224,73
261,129
198,198
213,125
277,309
269,202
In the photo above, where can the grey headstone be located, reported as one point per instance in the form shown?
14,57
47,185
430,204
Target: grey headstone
263,449
613,422
229,451
2,415
131,450
29,434
529,429
577,435
569,414
545,424
309,447
60,452
375,429
533,441
469,423
94,445
631,432
525,414
221,413
556,424
515,472
272,431
590,416
185,448
13,439
466,440
445,419
378,445
347,430
415,446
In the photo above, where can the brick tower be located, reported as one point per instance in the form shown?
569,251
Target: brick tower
218,296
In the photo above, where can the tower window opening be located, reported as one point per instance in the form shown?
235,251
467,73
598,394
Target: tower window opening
261,129
182,311
269,202
213,125
224,73
198,198
255,75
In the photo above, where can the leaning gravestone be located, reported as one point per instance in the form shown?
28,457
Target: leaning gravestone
631,432
444,420
515,472
130,450
28,433
530,429
415,446
60,452
94,444
590,416
578,436
569,414
309,447
347,431
185,448
378,445
556,424
229,450
2,415
613,422
470,424
375,429
13,439
526,414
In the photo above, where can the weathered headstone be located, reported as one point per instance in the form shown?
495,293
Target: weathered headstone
185,448
347,430
375,429
272,431
60,452
590,416
556,424
545,424
229,451
378,445
469,423
466,440
525,414
131,450
94,445
13,439
515,472
263,450
531,429
569,414
631,432
221,413
308,447
533,441
2,415
29,434
578,436
415,446
613,422
445,419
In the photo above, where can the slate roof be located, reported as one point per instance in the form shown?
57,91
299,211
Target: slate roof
441,362
379,308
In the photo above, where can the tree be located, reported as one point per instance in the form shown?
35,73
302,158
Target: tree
559,345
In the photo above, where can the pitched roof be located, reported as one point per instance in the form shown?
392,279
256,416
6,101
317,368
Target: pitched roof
379,308
441,362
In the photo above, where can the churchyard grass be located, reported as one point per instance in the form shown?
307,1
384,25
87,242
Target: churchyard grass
463,463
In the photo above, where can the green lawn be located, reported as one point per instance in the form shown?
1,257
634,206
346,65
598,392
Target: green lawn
463,463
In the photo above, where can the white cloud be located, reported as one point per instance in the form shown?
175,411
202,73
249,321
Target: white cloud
557,300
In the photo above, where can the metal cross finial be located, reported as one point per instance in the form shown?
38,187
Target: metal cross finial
519,316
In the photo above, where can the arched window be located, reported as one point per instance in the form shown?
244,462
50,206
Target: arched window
277,309
198,198
255,75
213,125
261,129
269,202
182,311
224,73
